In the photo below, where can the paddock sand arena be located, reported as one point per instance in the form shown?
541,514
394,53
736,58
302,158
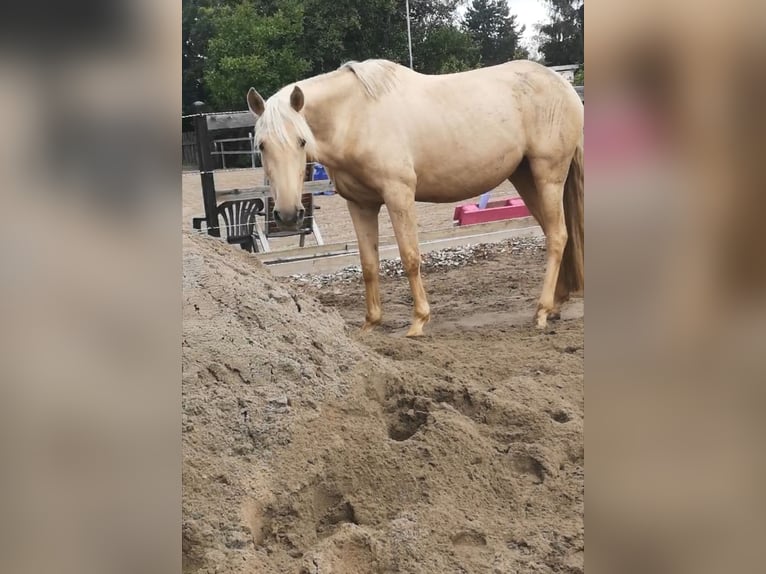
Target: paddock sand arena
311,448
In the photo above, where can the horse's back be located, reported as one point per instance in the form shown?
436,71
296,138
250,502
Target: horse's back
457,135
521,94
521,75
483,123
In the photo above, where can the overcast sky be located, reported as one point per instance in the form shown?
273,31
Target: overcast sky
529,13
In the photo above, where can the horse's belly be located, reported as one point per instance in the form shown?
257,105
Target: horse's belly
445,195
453,182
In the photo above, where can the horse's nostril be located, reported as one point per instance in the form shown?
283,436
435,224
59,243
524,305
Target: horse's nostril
277,217
301,213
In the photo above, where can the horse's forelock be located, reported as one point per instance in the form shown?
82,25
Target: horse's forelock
277,117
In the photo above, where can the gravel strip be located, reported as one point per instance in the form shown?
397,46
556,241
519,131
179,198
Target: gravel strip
433,261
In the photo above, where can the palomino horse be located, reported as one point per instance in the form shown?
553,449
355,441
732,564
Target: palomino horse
390,135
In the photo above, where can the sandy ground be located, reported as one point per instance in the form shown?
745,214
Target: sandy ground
311,448
333,218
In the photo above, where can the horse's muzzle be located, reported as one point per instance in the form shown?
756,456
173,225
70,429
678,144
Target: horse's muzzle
289,220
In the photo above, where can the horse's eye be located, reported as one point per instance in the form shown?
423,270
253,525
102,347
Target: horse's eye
302,142
261,146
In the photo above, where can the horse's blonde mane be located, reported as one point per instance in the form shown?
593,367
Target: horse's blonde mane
377,76
276,118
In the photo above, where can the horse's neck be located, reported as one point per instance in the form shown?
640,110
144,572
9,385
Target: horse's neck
329,99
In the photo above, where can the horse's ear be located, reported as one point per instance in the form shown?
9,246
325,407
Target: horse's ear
255,102
296,99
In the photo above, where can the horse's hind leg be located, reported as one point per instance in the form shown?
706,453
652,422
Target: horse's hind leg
540,182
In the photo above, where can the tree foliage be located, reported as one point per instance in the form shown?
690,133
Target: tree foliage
230,45
579,79
495,31
196,31
562,37
247,46
447,49
341,30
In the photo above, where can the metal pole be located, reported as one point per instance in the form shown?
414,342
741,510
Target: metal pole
409,33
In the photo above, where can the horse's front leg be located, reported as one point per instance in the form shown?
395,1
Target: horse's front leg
365,219
400,202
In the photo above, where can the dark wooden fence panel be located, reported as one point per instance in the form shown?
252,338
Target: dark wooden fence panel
189,150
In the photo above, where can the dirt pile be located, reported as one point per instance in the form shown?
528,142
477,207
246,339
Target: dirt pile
254,354
311,449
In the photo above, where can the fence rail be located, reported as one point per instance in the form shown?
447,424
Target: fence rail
189,151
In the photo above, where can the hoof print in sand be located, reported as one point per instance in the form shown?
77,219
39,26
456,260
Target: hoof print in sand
407,418
469,538
561,416
533,461
331,510
348,551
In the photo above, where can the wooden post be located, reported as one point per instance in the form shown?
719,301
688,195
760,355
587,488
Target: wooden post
206,174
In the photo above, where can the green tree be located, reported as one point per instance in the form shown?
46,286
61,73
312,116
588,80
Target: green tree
341,30
335,32
495,31
579,79
196,30
447,49
252,48
230,45
561,39
439,45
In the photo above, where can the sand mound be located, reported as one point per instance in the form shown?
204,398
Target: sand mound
254,353
309,449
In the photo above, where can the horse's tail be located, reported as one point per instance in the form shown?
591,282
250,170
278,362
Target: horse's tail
572,273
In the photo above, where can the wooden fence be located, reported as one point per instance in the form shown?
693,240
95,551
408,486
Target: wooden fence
243,146
189,158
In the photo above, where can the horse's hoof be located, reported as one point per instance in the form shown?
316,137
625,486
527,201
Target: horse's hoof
418,322
416,330
369,326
